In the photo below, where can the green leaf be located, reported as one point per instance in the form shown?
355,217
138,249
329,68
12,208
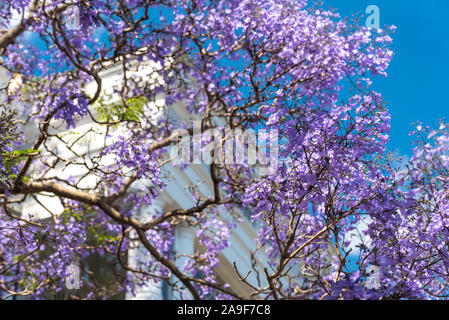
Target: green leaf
25,152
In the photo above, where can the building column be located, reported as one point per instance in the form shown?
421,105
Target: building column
184,245
138,254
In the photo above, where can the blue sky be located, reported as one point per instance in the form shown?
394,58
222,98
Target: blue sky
417,87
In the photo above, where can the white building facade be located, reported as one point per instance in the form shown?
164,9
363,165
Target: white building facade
175,196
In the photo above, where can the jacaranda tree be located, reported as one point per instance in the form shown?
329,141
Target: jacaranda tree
284,65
